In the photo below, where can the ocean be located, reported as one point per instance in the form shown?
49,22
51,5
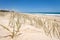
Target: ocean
44,13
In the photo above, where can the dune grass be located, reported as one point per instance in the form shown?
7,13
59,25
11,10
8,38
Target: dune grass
49,26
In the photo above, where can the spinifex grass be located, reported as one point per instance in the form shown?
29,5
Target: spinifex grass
12,24
49,26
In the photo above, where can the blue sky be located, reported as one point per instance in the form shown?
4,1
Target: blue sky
31,5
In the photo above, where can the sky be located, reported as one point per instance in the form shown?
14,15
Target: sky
31,5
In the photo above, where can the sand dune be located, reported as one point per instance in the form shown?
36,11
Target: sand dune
22,26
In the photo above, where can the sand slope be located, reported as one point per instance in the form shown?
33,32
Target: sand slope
20,26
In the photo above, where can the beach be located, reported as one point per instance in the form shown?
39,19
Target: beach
20,26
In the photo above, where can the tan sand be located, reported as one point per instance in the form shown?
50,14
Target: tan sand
32,26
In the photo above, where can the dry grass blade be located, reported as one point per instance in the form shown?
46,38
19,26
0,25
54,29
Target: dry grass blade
18,24
5,28
5,36
18,27
37,22
56,30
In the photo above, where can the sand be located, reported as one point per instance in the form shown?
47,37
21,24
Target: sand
26,31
